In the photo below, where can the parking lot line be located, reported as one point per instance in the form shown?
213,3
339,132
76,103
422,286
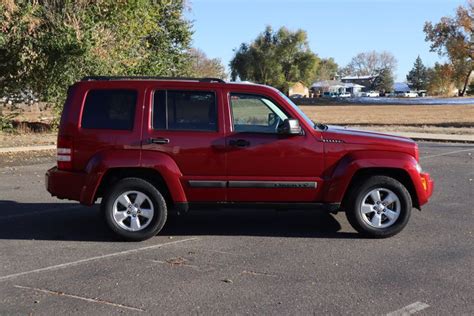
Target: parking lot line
87,299
409,309
448,153
110,255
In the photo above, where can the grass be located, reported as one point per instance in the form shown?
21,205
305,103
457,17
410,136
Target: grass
403,115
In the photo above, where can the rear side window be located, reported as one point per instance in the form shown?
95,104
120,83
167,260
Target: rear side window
184,110
109,109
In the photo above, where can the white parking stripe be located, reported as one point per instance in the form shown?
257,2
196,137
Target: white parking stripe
409,309
82,298
110,255
448,153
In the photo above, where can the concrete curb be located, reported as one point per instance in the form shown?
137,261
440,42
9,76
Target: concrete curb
414,136
438,137
26,149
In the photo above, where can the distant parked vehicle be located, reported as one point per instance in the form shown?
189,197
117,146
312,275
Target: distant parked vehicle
344,95
370,94
329,95
410,94
296,96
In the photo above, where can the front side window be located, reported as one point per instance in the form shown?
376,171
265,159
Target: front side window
184,110
109,109
254,113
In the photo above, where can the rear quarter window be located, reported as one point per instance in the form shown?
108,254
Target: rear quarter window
109,109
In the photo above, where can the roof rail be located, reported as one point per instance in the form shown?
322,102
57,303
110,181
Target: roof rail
105,78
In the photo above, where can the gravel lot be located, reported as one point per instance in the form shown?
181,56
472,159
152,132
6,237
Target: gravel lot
57,257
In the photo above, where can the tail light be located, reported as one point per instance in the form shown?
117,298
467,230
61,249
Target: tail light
64,152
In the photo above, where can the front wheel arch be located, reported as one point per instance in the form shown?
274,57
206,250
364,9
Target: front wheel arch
398,174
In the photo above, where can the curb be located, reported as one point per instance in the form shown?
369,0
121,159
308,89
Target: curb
438,137
26,149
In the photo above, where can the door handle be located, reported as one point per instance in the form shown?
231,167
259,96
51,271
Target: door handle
159,140
239,143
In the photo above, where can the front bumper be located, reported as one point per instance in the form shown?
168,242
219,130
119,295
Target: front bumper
424,188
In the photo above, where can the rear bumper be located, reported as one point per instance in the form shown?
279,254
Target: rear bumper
77,186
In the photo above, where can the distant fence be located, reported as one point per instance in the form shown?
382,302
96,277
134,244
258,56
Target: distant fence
383,100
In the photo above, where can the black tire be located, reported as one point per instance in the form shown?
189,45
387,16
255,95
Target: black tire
153,224
360,222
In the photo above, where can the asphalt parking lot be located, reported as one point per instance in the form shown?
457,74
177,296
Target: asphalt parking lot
57,257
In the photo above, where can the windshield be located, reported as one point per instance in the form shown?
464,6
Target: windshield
300,112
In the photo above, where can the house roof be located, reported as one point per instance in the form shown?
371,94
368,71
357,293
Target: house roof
401,87
328,83
368,77
335,84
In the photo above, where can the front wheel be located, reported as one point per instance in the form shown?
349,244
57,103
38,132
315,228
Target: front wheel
378,207
134,209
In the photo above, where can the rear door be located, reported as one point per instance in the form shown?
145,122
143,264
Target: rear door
263,165
186,123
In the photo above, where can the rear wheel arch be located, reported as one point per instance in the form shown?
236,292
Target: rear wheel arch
400,175
113,175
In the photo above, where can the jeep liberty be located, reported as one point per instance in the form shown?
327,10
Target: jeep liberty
145,146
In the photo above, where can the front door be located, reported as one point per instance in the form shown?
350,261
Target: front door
263,165
188,126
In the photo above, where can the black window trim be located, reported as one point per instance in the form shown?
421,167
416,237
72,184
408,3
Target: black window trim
216,104
86,94
257,95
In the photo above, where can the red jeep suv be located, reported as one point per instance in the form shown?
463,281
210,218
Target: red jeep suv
147,145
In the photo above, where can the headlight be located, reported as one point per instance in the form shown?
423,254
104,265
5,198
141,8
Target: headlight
418,168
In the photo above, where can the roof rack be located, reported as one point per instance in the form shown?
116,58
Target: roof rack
105,78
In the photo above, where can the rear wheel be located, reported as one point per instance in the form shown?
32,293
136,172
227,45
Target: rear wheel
378,207
134,209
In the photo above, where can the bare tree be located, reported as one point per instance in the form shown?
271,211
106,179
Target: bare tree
370,63
202,66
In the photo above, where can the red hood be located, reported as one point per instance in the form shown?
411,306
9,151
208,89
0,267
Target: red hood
372,139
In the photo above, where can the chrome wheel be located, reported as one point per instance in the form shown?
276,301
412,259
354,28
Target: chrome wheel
133,211
380,208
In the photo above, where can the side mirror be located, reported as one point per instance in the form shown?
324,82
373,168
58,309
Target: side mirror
290,127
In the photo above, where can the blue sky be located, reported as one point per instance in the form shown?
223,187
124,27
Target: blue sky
337,28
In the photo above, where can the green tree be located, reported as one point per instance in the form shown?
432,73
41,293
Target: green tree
202,66
418,76
384,81
327,69
451,37
47,45
275,58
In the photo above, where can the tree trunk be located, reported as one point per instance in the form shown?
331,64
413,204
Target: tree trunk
466,82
